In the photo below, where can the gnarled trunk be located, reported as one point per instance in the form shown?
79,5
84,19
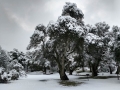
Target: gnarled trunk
90,66
110,70
83,69
117,72
61,65
90,69
94,70
44,70
63,76
70,71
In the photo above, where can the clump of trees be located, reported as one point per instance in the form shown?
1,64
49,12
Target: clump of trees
62,37
71,43
66,44
12,65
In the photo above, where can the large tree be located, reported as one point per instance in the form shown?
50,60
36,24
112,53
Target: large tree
38,41
96,44
116,31
65,35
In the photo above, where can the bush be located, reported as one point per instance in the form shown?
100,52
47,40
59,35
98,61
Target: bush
22,73
3,76
14,74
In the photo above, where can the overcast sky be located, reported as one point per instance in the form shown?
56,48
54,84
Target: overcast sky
18,18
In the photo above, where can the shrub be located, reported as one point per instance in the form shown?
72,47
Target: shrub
14,74
3,76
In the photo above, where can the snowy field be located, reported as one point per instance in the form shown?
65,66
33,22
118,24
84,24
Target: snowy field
50,82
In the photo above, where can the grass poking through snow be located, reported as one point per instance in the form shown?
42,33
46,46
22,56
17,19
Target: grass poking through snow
98,77
69,83
44,80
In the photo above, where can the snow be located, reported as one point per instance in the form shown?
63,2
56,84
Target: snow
4,75
32,82
91,38
69,22
71,7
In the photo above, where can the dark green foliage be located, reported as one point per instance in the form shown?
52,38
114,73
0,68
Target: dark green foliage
117,53
35,67
15,77
4,59
70,83
3,80
72,10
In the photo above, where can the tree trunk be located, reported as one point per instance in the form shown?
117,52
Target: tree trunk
44,70
90,69
94,70
118,76
83,66
0,79
110,70
83,69
90,66
63,76
70,71
117,72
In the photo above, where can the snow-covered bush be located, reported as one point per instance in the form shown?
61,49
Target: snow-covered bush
22,73
4,58
15,70
17,63
18,67
14,64
13,74
3,76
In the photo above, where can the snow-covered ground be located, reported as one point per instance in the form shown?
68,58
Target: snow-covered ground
50,82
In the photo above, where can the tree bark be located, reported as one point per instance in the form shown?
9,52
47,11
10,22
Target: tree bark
117,72
44,70
83,69
94,70
110,70
70,71
63,76
89,63
90,69
61,66
83,66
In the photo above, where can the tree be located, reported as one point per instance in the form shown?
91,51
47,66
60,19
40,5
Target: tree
4,58
38,40
17,63
96,42
115,45
20,57
64,36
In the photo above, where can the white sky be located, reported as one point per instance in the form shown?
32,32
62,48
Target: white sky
18,18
